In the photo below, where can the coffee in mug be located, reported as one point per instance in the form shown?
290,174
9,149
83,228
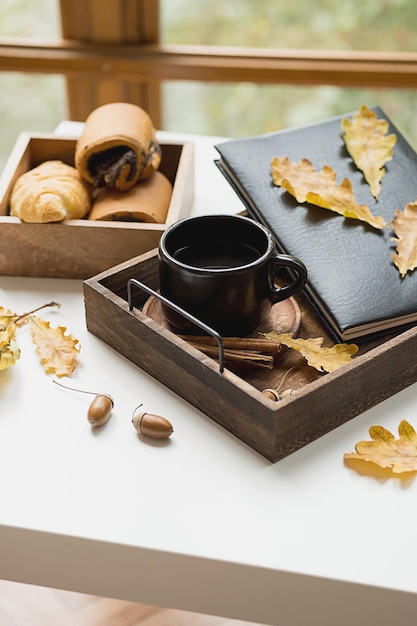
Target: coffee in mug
221,270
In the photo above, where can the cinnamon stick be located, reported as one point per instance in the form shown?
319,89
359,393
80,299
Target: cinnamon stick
238,352
254,344
238,357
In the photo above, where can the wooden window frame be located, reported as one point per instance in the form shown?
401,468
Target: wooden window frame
111,51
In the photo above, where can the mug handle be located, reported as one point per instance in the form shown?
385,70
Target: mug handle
297,268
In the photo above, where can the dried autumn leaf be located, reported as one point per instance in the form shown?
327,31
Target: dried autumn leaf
404,226
58,351
369,145
6,316
399,455
9,350
6,334
323,359
303,182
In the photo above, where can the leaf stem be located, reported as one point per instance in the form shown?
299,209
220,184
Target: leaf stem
43,306
285,376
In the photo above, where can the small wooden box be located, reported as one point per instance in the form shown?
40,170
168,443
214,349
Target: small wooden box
318,404
81,248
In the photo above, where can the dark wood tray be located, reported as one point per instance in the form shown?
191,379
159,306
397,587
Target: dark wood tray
313,404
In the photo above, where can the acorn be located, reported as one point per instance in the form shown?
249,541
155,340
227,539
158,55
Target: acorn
150,425
271,393
99,410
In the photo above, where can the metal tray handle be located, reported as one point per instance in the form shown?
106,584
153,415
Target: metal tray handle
194,320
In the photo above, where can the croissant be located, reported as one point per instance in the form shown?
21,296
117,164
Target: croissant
118,146
51,192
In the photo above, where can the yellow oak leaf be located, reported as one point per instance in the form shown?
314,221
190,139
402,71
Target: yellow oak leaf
6,317
9,350
399,455
321,358
303,182
404,226
57,351
369,145
6,334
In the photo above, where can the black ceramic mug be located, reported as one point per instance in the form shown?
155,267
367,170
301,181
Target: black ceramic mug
221,270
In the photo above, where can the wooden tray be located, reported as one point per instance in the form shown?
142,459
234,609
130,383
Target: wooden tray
82,248
316,403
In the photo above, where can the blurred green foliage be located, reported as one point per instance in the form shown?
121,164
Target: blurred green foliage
245,109
387,25
29,102
37,103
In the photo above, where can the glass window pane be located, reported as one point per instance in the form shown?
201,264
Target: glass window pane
244,109
29,18
317,24
241,110
29,102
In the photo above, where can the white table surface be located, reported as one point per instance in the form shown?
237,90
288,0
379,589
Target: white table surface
202,523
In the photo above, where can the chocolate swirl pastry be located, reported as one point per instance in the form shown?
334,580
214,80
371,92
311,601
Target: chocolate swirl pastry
118,147
117,167
148,201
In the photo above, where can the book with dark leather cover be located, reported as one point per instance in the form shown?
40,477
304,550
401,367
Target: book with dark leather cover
352,281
